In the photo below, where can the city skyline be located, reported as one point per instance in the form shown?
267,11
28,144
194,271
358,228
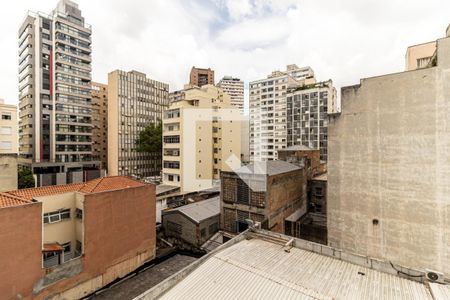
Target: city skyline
209,39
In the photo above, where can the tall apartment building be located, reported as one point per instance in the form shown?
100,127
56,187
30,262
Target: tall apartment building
268,115
388,167
235,88
200,77
308,107
134,102
199,138
8,146
55,128
99,93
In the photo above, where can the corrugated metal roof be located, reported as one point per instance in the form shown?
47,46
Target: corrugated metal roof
200,210
271,167
259,269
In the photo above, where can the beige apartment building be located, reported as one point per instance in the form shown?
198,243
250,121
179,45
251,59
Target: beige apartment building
201,137
200,77
99,94
388,167
8,146
419,56
134,102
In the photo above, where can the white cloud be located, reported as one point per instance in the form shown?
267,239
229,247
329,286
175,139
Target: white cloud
342,40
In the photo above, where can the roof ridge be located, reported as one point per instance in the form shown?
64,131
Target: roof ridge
7,194
101,179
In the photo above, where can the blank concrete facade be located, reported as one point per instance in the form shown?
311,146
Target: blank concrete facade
389,167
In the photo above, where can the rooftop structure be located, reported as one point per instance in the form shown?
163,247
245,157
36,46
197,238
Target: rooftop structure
198,211
290,268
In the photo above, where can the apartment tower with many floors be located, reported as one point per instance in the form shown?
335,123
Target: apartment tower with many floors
55,128
234,87
200,77
99,93
199,138
134,102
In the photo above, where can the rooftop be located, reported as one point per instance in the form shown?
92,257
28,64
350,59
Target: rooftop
271,167
304,270
110,183
198,211
321,177
297,148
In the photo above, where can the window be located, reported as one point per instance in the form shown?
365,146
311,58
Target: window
213,228
175,228
66,247
6,116
242,192
56,216
6,130
79,213
78,249
6,145
203,232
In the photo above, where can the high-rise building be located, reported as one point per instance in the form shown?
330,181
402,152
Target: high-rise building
200,77
419,56
282,114
199,138
234,87
268,115
8,146
388,167
308,107
99,95
134,102
55,128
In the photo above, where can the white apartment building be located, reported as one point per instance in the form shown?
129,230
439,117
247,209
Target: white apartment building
268,111
8,146
234,87
282,114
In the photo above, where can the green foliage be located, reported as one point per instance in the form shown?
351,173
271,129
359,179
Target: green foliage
25,178
150,139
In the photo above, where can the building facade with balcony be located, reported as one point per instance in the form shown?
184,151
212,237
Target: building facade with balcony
234,87
99,93
70,240
55,110
8,146
201,138
134,102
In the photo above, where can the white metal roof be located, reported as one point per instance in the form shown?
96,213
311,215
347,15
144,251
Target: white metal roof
261,269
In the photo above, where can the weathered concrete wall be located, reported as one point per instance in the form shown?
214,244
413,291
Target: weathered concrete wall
389,168
20,250
8,172
286,194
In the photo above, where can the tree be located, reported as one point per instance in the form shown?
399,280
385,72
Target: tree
150,139
25,178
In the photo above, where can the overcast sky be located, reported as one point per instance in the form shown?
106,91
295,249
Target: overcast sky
344,40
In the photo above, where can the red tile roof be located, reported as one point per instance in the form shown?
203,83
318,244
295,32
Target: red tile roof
7,200
110,183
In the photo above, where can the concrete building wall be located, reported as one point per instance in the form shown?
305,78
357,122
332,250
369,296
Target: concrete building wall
388,168
20,248
8,172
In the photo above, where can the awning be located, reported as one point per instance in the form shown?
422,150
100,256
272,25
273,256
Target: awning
52,247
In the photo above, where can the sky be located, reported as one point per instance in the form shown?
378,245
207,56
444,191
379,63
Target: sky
341,40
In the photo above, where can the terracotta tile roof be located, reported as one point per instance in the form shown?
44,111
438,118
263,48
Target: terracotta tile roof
7,200
30,193
110,183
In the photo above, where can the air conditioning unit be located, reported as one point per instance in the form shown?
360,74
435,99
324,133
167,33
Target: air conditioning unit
434,276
